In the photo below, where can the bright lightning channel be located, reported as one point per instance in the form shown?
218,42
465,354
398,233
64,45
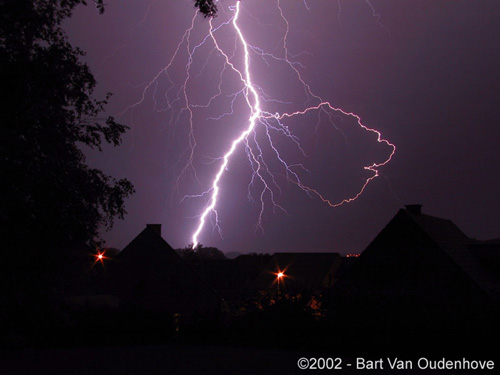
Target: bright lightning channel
257,114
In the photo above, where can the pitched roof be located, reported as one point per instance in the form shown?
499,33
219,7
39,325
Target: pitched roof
149,257
149,250
456,245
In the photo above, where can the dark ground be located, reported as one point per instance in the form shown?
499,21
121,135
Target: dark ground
161,359
187,359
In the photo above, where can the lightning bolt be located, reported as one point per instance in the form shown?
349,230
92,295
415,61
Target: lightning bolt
256,113
259,117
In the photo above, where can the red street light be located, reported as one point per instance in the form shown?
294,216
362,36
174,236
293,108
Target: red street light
279,275
99,257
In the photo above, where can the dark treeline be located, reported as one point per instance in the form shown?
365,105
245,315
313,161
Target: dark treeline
52,204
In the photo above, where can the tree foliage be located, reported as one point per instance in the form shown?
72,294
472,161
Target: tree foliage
200,253
207,7
49,197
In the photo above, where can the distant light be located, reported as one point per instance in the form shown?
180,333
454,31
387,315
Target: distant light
280,275
100,256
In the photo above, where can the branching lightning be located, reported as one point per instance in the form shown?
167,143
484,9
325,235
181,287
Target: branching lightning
259,117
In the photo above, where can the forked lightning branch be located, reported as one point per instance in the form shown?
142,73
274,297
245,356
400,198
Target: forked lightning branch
238,60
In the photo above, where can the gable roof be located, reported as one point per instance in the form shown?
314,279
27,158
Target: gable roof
148,260
456,245
150,250
409,226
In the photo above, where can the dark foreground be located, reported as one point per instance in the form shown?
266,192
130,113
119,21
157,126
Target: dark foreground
175,358
150,359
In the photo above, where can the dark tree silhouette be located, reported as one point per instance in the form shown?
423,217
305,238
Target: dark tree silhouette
200,253
207,7
49,198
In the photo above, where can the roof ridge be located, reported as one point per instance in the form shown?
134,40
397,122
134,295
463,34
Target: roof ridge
454,242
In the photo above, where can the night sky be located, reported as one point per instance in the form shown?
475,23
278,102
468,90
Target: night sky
425,73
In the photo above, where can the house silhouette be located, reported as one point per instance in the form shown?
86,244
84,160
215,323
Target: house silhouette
421,276
233,279
150,275
425,258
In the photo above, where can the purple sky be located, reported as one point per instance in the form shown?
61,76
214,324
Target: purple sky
425,73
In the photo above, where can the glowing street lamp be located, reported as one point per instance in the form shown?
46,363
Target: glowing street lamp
280,275
99,257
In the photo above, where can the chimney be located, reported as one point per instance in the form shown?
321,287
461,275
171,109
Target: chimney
155,227
414,209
